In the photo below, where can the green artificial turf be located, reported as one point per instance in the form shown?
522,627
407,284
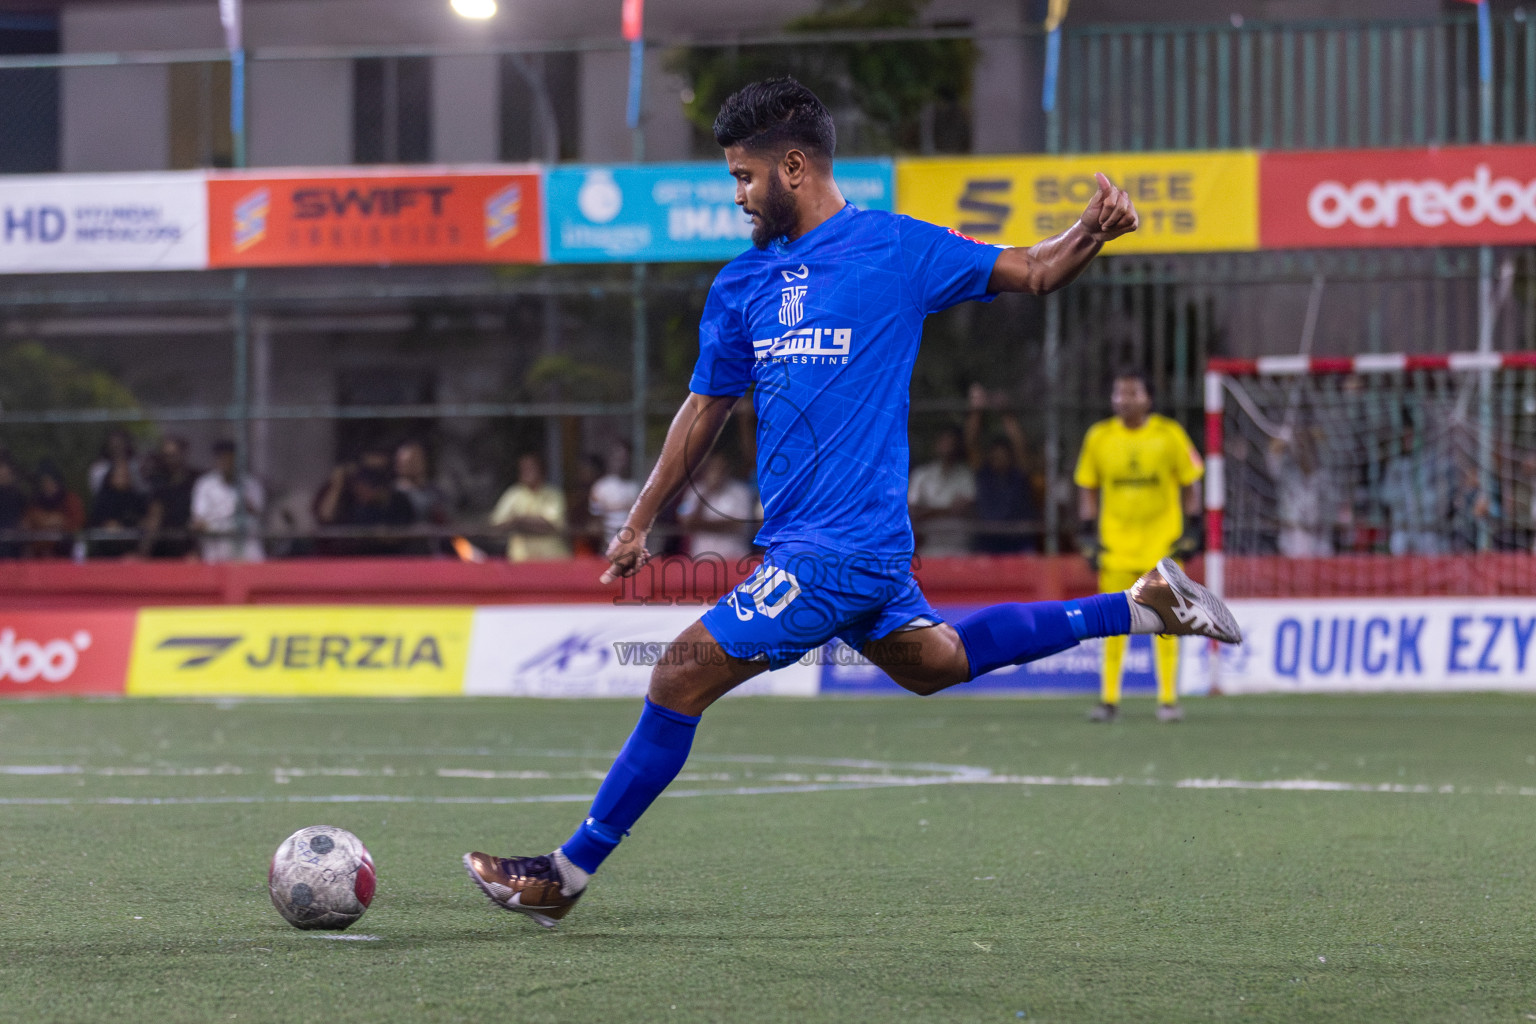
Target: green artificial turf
1075,880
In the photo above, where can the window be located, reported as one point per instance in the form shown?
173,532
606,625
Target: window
540,98
200,134
392,110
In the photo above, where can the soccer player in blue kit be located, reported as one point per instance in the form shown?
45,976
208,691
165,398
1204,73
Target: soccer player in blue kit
821,320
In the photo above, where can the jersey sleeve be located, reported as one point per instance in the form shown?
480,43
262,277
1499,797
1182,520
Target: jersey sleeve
725,349
944,267
1187,464
1087,472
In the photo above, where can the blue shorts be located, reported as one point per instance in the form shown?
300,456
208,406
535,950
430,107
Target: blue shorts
798,600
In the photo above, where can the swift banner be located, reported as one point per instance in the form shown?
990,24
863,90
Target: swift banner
49,653
669,212
1380,644
1188,202
300,651
1466,195
80,222
358,218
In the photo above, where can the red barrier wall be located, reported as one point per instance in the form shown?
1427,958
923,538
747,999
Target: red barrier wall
40,584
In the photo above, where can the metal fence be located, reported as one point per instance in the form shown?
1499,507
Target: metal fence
304,368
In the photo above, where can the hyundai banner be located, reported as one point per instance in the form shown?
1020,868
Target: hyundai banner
87,222
1462,195
670,212
1379,645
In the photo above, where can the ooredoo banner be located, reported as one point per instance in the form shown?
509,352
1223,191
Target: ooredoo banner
1188,202
51,653
1462,195
88,222
394,215
670,212
1385,644
293,651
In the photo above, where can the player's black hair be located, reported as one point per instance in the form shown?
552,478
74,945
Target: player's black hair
1133,373
223,446
776,115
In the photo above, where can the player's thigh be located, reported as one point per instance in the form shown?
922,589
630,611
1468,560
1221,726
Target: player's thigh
924,660
697,672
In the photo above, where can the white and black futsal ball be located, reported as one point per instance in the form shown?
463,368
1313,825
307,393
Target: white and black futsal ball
321,877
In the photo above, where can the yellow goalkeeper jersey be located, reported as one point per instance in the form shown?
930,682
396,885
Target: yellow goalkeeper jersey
1138,474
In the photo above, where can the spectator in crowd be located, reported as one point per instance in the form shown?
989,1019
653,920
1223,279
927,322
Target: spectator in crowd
718,513
118,504
614,493
586,527
167,527
535,512
53,508
363,496
428,503
1415,490
940,495
1004,493
1475,513
13,505
226,510
1308,502
118,447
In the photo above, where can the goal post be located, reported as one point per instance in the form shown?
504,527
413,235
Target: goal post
1371,475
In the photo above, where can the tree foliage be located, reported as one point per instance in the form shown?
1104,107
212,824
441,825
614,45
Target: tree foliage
886,96
33,379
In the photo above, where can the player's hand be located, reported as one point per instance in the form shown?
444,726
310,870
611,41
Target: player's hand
1110,213
626,554
1193,540
1088,544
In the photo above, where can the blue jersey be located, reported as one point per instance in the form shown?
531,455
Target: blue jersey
826,329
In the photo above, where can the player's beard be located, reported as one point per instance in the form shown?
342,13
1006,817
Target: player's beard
777,215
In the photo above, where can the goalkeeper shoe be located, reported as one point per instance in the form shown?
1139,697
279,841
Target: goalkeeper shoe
1170,713
1186,608
1104,713
527,885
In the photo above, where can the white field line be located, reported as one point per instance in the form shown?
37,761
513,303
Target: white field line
768,785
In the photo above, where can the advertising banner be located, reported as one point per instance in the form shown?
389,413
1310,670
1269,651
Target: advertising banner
1380,644
50,653
592,650
291,651
1071,671
670,212
356,217
1461,195
1188,202
90,222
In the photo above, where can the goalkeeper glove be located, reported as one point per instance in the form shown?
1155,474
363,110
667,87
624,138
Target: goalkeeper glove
1088,543
1193,541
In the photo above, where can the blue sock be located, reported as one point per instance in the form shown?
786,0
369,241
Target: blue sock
1099,615
1012,634
650,760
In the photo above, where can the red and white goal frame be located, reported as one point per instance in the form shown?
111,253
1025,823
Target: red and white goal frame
1220,370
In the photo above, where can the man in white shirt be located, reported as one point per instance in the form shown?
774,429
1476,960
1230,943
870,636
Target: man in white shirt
719,514
216,508
940,494
613,494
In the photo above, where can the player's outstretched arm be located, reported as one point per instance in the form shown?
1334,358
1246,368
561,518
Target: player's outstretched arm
690,437
1056,262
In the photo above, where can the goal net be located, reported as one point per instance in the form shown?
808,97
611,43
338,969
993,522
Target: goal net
1380,475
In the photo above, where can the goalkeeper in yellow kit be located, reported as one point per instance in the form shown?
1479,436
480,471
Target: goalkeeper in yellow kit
1138,503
